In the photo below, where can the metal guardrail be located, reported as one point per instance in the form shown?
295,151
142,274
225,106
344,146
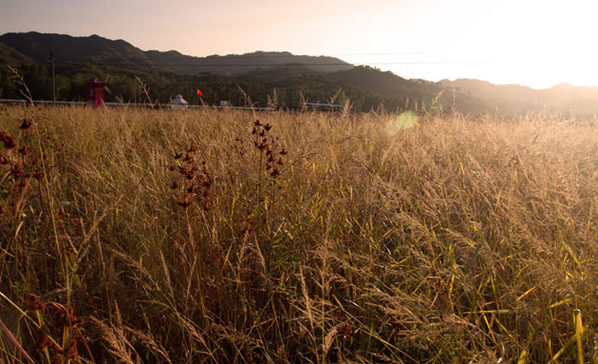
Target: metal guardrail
41,102
133,104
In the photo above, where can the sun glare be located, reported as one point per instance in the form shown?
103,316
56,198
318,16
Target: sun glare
535,43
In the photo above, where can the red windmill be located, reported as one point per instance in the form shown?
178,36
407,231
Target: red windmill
96,92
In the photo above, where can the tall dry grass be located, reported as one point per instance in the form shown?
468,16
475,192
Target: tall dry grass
454,240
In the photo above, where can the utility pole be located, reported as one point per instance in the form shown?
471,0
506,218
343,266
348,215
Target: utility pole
53,76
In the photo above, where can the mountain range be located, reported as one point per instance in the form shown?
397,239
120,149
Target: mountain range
264,77
95,49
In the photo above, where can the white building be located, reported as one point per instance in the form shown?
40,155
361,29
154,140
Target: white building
178,102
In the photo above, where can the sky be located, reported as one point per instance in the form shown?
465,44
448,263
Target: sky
529,42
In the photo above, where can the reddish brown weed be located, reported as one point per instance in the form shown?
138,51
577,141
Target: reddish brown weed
192,181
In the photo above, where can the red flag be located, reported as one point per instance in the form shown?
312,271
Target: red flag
199,92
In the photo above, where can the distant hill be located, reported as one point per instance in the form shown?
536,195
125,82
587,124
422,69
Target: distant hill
517,99
571,98
95,49
92,49
264,76
386,83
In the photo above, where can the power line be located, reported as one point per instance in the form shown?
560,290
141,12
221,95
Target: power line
290,64
379,54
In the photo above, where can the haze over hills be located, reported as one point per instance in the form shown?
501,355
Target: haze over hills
261,75
520,99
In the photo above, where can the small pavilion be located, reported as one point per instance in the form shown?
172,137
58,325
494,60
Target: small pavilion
178,102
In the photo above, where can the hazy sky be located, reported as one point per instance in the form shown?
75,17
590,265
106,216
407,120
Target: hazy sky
534,42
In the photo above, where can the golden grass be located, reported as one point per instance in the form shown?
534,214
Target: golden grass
447,240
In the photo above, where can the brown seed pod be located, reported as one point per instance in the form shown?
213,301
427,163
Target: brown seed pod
33,303
76,321
71,351
24,150
9,142
185,203
43,341
26,125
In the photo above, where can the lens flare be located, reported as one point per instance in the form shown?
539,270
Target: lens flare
406,120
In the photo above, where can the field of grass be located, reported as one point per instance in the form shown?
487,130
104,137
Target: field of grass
205,236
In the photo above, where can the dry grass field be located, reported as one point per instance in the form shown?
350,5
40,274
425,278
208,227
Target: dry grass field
206,236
